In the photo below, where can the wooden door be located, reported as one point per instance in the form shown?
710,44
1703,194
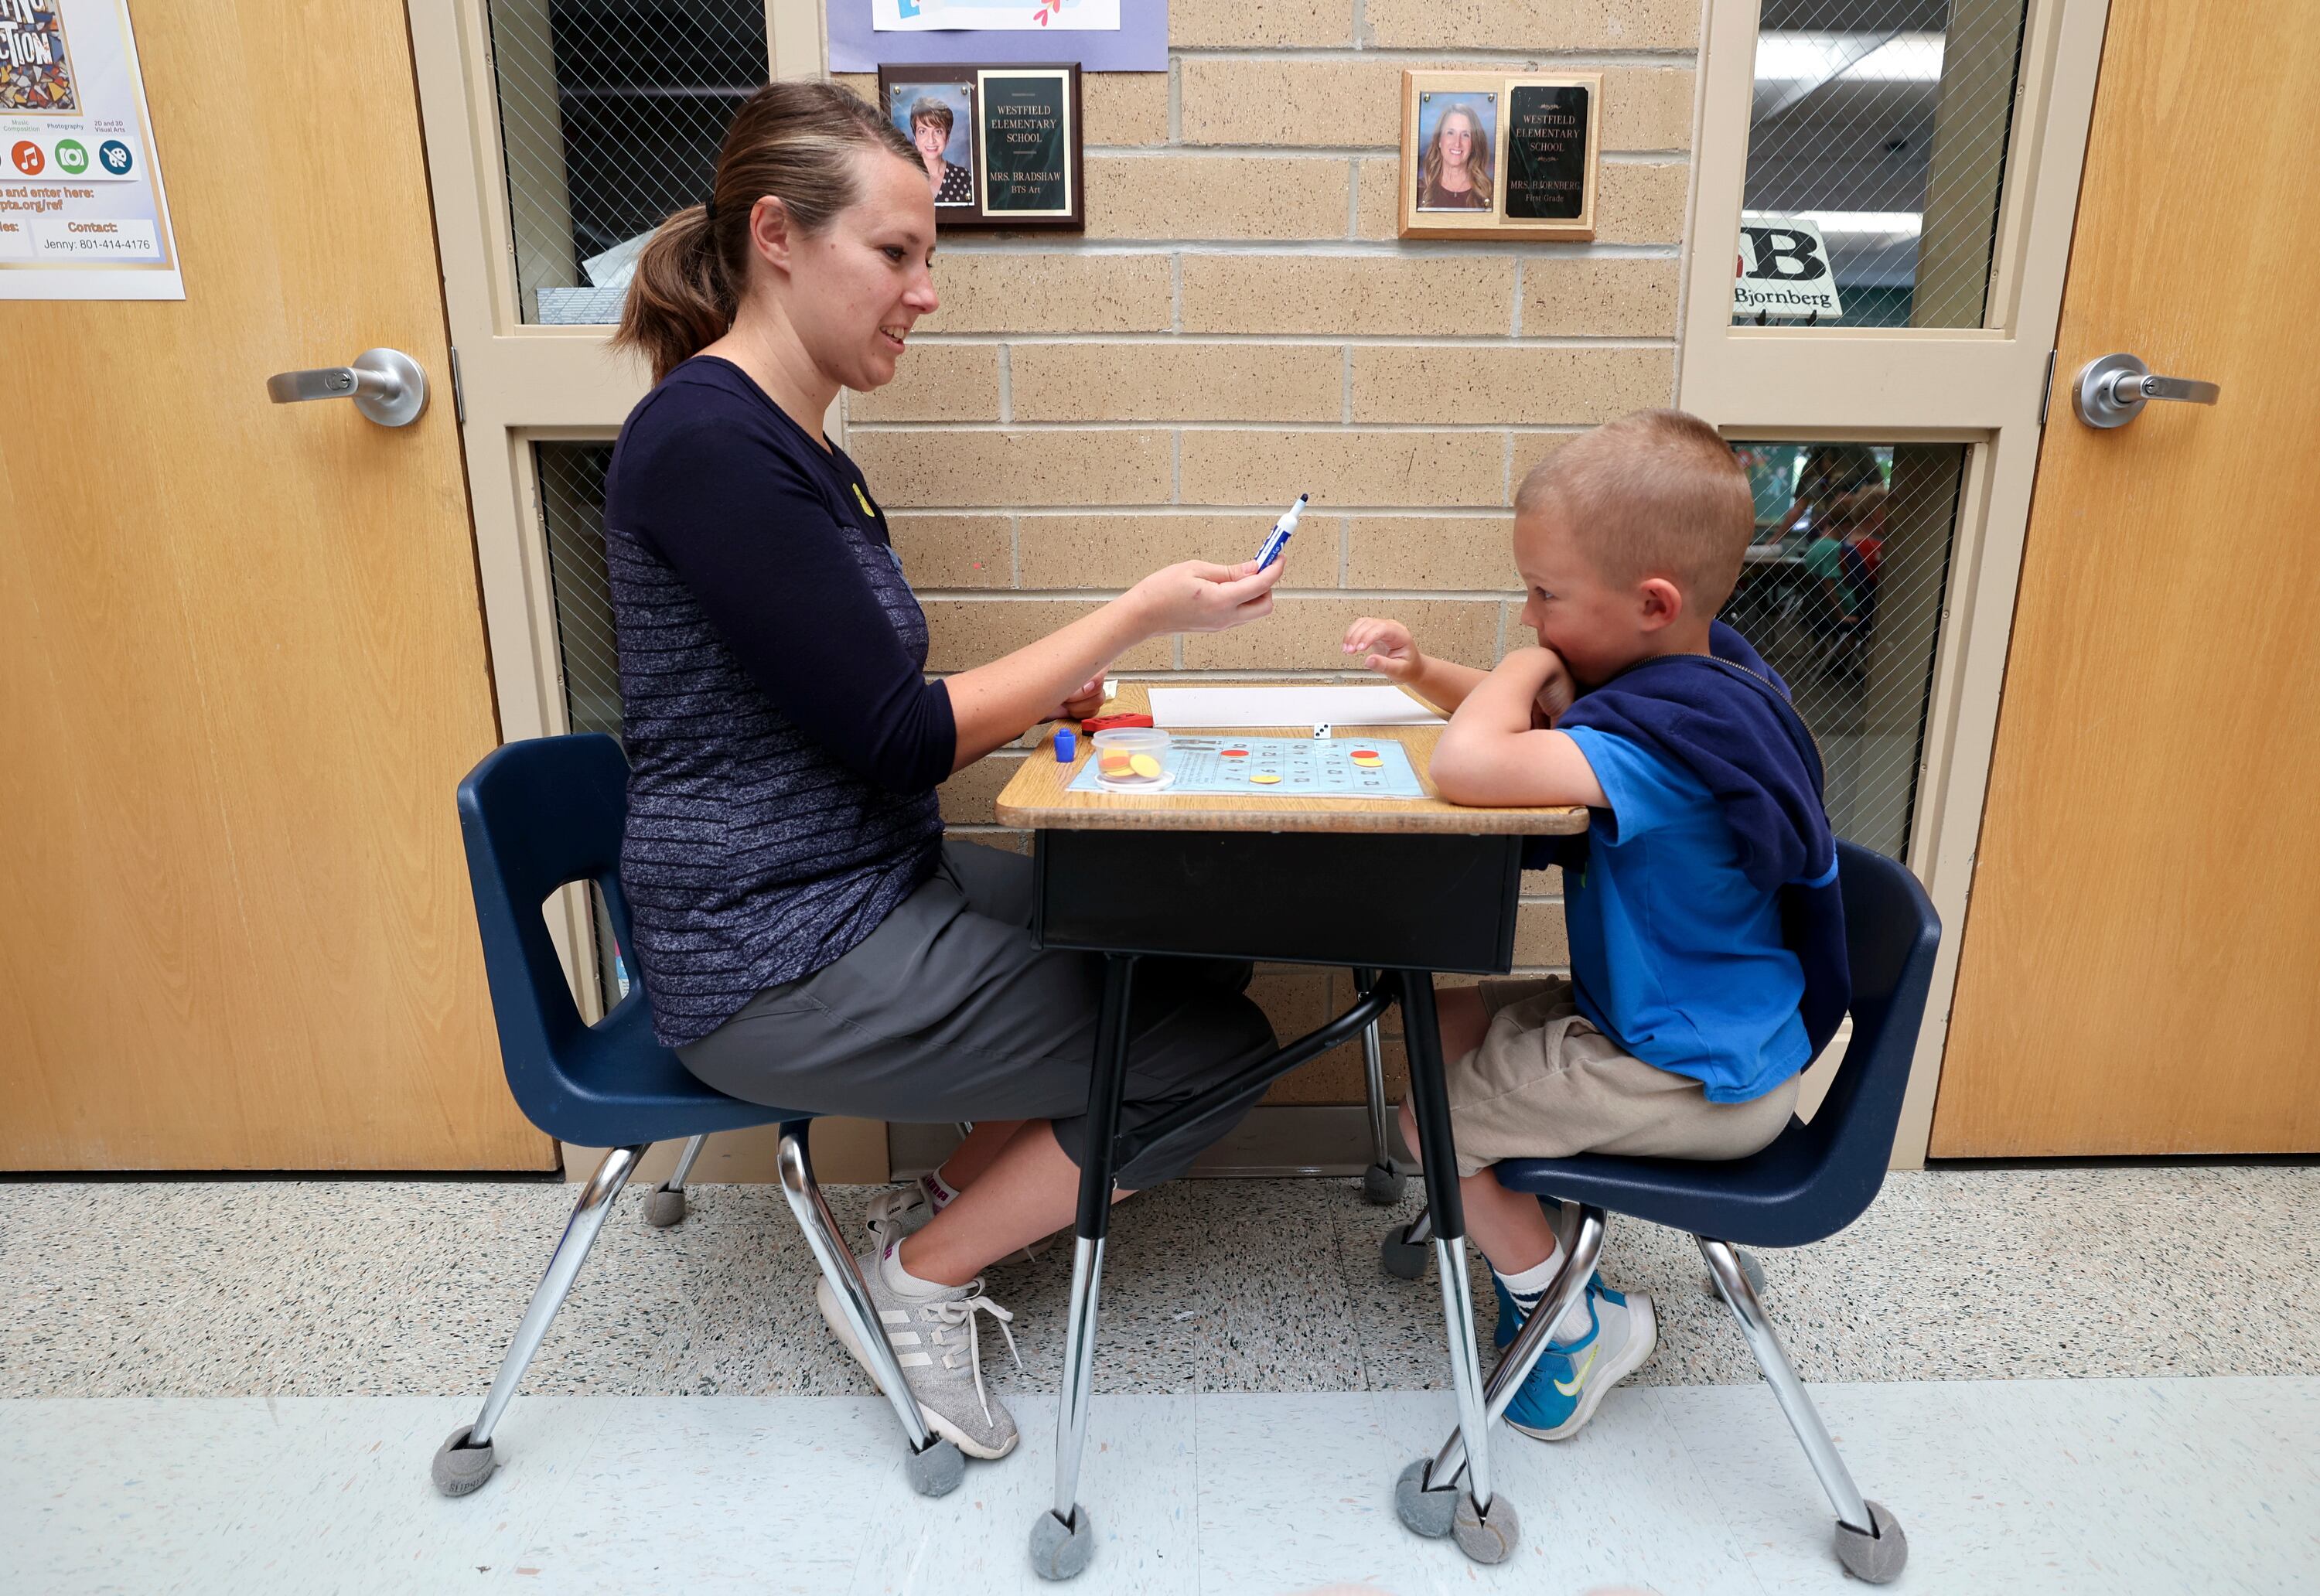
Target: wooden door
2141,968
244,656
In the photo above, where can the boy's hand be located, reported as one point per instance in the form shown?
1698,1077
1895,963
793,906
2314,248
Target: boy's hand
1556,692
1391,651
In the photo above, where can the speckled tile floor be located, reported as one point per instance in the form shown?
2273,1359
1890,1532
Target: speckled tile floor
207,1289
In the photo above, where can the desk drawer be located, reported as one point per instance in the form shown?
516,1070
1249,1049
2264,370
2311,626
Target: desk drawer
1395,901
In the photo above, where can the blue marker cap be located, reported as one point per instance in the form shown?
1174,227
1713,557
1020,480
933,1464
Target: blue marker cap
1068,747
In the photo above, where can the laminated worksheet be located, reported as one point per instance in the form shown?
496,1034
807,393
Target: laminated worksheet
1174,707
1276,767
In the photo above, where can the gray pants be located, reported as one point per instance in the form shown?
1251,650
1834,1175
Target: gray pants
948,1012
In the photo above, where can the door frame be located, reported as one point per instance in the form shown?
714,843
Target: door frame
1983,386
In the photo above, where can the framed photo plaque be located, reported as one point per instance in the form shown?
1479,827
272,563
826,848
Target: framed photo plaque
1002,144
1487,155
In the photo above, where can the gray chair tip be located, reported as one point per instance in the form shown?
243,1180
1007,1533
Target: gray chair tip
1878,1558
1059,1551
938,1469
1424,1512
459,1469
1382,1185
1486,1540
1402,1259
664,1208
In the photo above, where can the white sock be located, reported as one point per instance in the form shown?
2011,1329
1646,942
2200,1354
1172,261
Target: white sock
1528,1285
939,1191
905,1284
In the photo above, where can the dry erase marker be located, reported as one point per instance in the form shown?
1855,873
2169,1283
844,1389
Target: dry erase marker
1277,539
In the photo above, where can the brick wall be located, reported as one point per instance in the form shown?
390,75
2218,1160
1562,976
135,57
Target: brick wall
1239,324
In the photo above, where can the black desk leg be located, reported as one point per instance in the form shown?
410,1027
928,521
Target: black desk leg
1480,1518
1062,1538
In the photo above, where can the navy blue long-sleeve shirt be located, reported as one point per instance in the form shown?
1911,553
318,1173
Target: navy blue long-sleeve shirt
783,741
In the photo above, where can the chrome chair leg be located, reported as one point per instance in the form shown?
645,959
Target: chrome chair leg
666,1206
936,1467
1079,1373
1381,1182
467,1459
1731,1286
1584,1246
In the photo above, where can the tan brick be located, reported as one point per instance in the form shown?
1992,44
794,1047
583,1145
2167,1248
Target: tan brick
968,633
1308,634
1216,196
1467,552
1523,386
1326,104
1636,203
864,84
1539,939
1648,107
982,291
966,798
1429,294
1295,997
1531,448
1177,381
1124,107
1570,294
1533,24
940,551
1013,842
1377,188
1337,103
1209,23
935,382
1543,884
1641,202
1342,468
1337,1077
954,467
1115,552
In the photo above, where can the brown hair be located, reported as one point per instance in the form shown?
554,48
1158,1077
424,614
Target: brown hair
1478,160
791,141
933,110
1656,493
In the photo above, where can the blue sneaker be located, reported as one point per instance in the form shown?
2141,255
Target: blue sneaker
1565,1389
1510,1315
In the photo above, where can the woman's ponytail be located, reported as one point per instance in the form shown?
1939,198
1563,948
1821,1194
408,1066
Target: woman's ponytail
794,142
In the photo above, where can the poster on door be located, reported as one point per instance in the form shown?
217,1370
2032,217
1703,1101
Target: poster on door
81,215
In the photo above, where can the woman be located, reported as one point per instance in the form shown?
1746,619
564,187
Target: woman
1455,173
808,938
930,125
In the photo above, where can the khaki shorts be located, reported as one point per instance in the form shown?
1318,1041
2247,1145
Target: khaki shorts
1545,1084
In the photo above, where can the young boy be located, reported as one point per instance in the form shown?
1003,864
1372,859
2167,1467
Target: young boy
1688,1014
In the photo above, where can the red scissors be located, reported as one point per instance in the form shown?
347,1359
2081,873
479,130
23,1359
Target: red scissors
1107,722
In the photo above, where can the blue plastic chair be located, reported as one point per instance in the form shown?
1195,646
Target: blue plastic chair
1813,1180
536,816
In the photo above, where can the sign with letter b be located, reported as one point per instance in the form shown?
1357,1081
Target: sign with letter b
1782,270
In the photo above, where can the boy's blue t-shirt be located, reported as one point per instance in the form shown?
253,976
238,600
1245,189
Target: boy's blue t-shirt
1673,953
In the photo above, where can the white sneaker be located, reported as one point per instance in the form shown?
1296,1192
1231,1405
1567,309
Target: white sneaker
937,1343
902,1210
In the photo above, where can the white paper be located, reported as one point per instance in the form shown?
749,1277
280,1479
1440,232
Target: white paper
1287,706
916,16
82,215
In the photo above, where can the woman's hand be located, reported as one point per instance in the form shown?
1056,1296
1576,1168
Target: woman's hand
1197,596
1082,703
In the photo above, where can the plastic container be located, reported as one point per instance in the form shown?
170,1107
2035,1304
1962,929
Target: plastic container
1132,760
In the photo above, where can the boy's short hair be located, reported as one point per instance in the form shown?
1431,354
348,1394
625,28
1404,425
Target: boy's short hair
1653,494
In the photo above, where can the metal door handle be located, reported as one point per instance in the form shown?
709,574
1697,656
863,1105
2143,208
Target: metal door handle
2112,391
385,384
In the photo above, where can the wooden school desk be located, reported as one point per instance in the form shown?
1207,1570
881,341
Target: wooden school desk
1394,890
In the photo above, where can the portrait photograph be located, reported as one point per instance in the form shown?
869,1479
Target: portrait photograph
1457,146
939,120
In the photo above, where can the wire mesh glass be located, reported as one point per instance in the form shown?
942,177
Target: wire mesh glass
1842,595
1881,127
611,115
572,520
